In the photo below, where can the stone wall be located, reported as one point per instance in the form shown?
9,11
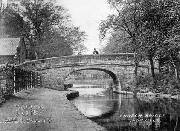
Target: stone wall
6,82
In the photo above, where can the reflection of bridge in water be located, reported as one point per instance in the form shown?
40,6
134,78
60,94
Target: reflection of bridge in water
55,70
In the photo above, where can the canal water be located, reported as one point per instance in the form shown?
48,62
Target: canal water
124,113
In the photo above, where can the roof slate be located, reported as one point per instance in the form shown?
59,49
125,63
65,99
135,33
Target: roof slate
8,46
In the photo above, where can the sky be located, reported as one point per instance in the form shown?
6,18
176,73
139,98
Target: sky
87,14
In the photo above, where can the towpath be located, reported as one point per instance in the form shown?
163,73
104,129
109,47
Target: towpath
43,110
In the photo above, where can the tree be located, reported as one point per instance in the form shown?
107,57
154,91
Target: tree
161,24
118,42
149,24
62,42
75,37
126,20
40,22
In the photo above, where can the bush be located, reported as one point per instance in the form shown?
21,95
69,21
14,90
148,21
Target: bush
166,83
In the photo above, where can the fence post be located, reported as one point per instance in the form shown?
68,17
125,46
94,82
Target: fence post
14,79
39,80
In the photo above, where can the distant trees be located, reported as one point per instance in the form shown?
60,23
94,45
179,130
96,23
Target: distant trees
62,41
46,26
118,42
150,29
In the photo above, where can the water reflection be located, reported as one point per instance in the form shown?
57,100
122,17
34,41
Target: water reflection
124,113
95,101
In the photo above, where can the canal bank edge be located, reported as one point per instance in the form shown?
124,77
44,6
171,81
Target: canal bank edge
73,94
69,95
149,94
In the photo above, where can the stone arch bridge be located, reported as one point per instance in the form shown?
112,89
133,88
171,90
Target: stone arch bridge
54,70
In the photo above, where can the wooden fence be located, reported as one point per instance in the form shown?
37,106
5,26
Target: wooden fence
13,80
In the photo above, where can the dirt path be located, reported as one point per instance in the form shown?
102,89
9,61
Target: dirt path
43,110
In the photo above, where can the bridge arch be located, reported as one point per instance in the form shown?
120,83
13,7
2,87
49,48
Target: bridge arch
112,74
53,70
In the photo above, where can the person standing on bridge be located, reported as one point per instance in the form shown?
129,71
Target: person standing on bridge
95,51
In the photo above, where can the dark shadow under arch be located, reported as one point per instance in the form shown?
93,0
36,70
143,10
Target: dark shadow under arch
113,76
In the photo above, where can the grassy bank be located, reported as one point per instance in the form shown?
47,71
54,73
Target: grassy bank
165,84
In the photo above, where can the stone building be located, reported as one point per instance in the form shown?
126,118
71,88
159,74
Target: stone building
11,49
23,51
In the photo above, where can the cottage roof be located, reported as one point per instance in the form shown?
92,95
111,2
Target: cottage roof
8,46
